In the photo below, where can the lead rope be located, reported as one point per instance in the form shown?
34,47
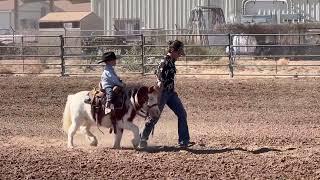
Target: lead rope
98,124
152,131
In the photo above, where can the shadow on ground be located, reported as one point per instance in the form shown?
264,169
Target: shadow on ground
209,150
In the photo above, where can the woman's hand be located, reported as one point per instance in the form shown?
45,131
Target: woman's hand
159,84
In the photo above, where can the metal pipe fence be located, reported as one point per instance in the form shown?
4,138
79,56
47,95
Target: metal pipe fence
206,54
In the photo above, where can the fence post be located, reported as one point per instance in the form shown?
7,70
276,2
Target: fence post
21,53
230,55
63,68
142,54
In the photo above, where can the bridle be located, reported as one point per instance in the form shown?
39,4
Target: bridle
144,113
138,107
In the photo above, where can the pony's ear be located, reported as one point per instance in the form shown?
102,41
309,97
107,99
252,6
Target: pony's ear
154,88
150,89
143,94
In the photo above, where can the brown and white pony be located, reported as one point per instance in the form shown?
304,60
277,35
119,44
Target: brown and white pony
77,114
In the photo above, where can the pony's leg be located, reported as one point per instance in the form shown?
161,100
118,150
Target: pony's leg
135,130
90,137
71,132
106,121
118,135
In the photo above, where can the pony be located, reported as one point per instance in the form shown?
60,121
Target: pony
77,115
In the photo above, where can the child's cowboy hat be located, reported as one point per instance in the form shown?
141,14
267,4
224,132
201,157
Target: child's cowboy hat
108,56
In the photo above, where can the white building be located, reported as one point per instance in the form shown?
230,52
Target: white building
29,12
80,22
145,14
174,14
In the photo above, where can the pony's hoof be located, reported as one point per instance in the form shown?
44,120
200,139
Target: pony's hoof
95,143
70,147
116,147
143,144
135,143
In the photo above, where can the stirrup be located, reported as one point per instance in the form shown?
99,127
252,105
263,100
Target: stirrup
107,110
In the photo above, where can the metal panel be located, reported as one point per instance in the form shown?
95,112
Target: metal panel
232,9
165,14
308,8
5,22
264,7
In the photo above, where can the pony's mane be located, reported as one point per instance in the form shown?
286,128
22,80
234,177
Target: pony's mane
134,86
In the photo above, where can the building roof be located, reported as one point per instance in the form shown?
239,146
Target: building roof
7,5
60,5
64,16
66,5
80,1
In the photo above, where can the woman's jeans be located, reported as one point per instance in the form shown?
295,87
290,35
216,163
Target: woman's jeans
171,99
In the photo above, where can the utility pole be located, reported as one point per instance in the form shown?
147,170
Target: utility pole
51,5
16,14
93,6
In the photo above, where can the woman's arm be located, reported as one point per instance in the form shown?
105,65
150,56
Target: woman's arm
160,72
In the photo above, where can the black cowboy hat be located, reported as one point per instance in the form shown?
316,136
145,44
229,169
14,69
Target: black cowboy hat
108,56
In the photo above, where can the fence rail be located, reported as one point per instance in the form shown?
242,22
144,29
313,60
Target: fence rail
207,54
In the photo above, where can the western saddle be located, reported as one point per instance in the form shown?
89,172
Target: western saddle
97,100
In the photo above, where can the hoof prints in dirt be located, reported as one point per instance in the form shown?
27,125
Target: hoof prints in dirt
245,129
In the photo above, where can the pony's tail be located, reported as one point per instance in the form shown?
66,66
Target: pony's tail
66,120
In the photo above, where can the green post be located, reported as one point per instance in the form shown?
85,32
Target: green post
230,55
142,54
63,68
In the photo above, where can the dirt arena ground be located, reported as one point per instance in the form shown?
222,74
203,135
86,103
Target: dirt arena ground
256,128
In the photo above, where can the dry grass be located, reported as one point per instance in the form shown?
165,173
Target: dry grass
283,61
5,70
192,67
34,66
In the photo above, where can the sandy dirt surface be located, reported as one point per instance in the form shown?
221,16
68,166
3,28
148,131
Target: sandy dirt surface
254,128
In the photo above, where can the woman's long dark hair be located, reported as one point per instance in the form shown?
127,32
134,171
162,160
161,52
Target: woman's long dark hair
175,45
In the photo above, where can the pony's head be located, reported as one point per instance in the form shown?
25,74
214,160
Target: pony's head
149,98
